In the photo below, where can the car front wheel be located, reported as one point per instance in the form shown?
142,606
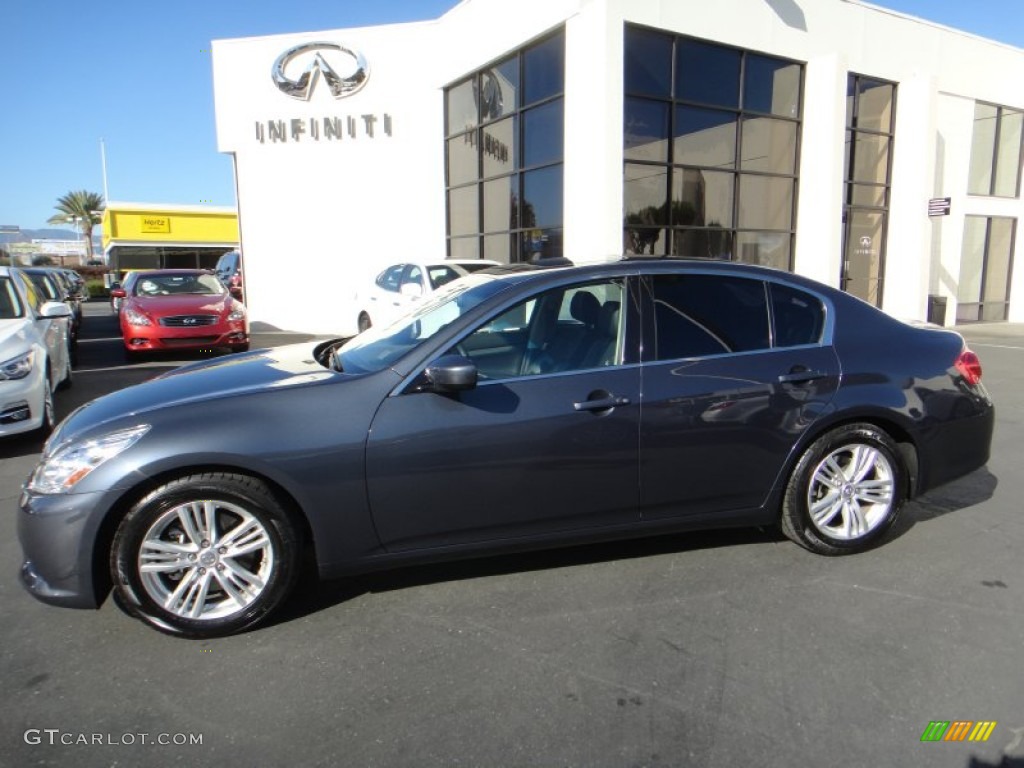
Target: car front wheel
845,492
205,555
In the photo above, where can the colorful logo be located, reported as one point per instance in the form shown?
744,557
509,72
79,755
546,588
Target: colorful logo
958,730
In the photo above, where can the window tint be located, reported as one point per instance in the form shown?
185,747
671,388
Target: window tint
799,317
698,315
10,304
390,278
31,294
440,275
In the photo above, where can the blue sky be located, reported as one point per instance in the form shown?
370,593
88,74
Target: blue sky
138,75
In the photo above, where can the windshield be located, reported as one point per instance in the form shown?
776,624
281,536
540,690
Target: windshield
380,347
168,285
10,306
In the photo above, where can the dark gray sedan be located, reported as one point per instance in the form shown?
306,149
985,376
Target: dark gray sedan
518,408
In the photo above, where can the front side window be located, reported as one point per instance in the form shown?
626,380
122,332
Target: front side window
710,137
996,151
10,303
390,279
703,315
562,330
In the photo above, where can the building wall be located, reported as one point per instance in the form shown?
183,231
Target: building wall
332,212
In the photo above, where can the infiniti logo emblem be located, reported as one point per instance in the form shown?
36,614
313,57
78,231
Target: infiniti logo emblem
340,86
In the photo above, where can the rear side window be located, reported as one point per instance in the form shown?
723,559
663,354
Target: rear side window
390,278
799,317
10,304
700,315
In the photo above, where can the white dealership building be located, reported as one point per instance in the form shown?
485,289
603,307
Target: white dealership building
859,146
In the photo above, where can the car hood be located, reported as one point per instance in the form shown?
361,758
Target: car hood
182,304
227,376
13,338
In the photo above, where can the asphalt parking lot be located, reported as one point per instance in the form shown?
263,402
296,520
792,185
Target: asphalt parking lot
716,649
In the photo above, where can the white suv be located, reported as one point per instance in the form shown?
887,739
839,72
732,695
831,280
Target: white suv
34,358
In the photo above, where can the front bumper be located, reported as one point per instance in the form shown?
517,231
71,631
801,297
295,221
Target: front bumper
58,537
18,395
160,338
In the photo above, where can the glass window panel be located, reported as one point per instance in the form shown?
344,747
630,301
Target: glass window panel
544,69
769,249
648,62
646,195
500,201
765,202
463,211
997,266
540,244
543,134
868,157
994,313
707,243
701,198
645,130
707,74
462,112
972,258
463,163
464,248
644,241
768,145
866,195
542,198
705,137
771,85
982,149
500,247
1008,157
875,105
799,318
498,90
968,313
862,275
498,147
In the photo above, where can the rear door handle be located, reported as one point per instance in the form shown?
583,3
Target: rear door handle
801,376
603,404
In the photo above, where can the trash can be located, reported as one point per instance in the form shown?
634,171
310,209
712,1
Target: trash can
936,309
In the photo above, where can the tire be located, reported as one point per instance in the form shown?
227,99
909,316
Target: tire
49,412
364,322
195,585
845,492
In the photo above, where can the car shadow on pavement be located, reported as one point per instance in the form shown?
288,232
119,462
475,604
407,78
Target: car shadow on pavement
977,487
312,596
18,446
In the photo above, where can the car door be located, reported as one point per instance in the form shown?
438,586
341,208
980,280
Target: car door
53,332
725,398
545,442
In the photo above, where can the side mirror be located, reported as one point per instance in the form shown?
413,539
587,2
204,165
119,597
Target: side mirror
118,293
412,290
55,309
451,373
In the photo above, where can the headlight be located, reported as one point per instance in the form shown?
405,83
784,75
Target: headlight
60,472
17,367
238,313
134,317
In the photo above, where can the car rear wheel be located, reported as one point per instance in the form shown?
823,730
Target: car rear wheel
205,555
846,491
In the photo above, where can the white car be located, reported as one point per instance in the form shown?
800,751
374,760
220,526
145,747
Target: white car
397,288
34,354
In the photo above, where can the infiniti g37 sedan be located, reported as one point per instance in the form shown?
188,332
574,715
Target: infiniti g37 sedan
517,408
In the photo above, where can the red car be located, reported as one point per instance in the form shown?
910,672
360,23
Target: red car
181,309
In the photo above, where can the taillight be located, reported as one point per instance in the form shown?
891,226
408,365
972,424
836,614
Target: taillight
969,366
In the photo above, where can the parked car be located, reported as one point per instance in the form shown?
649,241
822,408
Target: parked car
514,409
122,288
52,287
397,289
181,309
229,270
34,354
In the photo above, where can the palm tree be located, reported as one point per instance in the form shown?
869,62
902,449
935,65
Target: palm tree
83,209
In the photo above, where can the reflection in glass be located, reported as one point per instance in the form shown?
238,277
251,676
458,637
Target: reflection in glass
645,130
866,195
500,247
544,69
863,274
768,145
543,134
499,90
875,105
705,243
771,85
648,62
499,147
463,210
997,265
462,112
542,198
707,74
1008,156
499,204
705,137
982,148
641,241
701,198
540,244
868,155
463,159
769,249
646,195
765,202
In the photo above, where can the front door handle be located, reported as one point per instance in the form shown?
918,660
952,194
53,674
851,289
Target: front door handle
601,404
801,375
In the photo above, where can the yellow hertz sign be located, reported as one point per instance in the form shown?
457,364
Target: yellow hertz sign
155,223
958,730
